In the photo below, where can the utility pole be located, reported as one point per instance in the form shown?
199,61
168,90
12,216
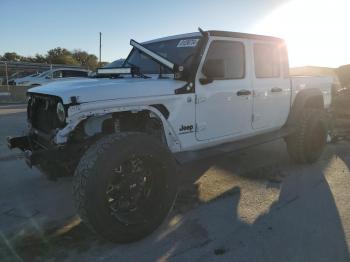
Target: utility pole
100,47
7,77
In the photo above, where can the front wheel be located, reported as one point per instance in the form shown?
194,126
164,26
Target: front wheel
53,169
125,185
307,143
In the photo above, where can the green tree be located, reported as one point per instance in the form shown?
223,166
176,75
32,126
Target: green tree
85,59
81,56
92,63
40,59
60,55
26,59
11,56
57,55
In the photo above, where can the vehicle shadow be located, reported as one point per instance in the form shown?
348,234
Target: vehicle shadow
302,224
253,205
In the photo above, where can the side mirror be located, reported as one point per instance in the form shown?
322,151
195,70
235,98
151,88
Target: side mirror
48,77
213,69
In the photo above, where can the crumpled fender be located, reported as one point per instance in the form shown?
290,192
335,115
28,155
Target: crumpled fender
78,113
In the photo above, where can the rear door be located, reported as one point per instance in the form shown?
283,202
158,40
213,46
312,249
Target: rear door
271,85
224,106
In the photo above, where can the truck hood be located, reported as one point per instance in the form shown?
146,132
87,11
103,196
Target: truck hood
97,89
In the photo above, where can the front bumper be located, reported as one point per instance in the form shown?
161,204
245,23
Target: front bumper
21,142
32,153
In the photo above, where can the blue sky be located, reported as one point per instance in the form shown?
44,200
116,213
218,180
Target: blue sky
316,30
30,27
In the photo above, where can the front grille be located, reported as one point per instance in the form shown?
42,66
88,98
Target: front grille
42,113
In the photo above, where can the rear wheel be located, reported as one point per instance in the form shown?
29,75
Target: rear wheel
125,185
307,143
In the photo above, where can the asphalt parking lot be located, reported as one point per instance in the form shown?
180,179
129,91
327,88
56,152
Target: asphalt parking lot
252,205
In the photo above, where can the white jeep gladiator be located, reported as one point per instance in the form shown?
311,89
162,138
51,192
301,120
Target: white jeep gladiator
173,100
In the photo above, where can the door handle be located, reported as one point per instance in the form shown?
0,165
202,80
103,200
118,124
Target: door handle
243,92
276,89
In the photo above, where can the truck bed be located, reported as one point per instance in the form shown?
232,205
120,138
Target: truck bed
324,83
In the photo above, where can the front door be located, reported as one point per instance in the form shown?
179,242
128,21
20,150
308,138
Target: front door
224,103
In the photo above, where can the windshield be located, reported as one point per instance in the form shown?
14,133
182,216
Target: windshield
43,74
178,51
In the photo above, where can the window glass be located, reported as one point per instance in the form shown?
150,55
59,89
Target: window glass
266,60
232,54
44,74
74,73
178,51
57,74
83,74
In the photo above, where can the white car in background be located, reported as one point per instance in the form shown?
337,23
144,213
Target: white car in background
23,78
52,75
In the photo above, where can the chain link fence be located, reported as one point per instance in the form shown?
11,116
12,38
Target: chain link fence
15,76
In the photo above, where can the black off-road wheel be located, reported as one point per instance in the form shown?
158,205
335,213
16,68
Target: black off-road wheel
307,143
125,185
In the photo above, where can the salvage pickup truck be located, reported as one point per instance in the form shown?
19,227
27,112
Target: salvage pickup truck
175,99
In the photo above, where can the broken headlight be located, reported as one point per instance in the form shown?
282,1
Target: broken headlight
61,113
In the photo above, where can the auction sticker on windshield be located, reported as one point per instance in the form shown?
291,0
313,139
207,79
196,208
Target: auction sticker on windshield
188,43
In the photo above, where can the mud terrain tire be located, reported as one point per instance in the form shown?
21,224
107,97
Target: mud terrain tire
306,144
106,200
53,170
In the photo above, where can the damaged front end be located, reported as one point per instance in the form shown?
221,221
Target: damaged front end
33,153
45,119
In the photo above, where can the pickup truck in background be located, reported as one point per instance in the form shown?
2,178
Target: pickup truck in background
173,100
